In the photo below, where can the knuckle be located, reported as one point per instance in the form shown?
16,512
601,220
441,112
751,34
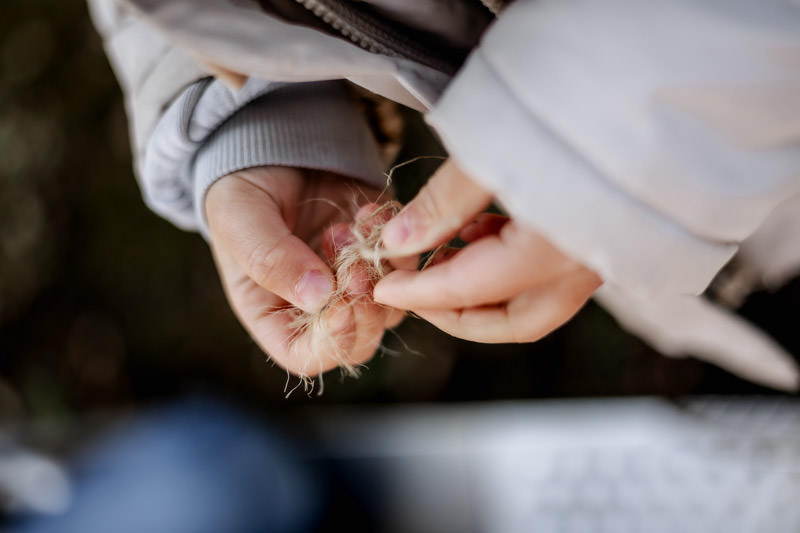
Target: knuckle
534,320
216,202
584,284
522,329
529,243
429,205
529,332
263,261
453,294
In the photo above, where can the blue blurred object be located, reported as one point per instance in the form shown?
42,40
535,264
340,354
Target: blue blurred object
196,467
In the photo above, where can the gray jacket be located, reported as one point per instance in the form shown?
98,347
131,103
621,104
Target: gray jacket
651,141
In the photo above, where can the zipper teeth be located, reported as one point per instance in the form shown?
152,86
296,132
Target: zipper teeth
339,24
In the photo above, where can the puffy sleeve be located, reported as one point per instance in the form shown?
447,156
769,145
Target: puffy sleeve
647,140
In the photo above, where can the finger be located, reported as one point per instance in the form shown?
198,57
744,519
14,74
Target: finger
246,223
335,238
443,254
369,218
482,225
372,216
263,314
370,322
443,205
394,317
488,271
357,280
345,334
528,317
356,277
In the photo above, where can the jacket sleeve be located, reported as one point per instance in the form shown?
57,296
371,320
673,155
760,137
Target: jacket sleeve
188,130
646,140
151,71
211,130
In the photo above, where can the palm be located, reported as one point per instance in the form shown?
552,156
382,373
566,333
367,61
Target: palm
318,200
308,203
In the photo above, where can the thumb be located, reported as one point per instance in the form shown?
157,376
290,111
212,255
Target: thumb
441,208
248,224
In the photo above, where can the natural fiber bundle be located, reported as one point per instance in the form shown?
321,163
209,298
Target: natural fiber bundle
362,256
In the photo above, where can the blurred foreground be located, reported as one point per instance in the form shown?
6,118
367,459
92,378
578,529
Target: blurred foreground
632,465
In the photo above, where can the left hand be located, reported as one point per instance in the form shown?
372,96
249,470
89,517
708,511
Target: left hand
269,228
509,284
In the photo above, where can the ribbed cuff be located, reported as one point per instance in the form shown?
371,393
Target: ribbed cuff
308,125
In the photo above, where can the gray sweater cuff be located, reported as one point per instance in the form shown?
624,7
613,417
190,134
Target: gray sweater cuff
310,125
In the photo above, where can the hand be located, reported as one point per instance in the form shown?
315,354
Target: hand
268,226
509,284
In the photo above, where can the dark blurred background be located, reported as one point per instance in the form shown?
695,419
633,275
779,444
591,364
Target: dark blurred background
104,306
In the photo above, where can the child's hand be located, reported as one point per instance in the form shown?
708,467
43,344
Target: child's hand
267,227
509,284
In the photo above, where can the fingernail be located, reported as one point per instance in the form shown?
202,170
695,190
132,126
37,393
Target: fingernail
396,232
313,290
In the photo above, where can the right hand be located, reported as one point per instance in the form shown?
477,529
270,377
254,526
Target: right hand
268,227
509,284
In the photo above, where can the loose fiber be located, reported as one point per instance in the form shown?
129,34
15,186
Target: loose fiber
365,251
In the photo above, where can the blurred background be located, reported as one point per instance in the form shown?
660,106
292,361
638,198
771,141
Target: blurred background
106,309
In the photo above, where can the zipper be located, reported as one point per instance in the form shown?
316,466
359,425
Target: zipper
377,36
345,28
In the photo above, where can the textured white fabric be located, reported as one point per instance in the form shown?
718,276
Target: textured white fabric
151,70
648,141
678,110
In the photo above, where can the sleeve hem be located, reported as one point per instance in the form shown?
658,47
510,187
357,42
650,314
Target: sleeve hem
548,186
312,126
210,131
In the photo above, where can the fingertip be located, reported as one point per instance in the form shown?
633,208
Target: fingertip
389,290
366,211
396,232
371,218
358,281
313,291
442,206
335,238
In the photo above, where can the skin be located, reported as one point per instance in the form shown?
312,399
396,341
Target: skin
265,241
269,228
533,288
